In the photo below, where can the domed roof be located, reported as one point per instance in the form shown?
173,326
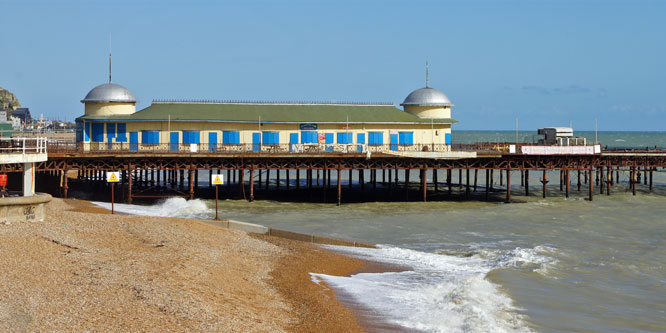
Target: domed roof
109,92
427,97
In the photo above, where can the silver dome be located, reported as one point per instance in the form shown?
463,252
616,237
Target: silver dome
109,92
427,97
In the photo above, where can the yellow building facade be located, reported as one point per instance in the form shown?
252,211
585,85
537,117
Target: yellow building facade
110,122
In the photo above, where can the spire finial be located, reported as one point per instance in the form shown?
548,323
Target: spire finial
427,79
109,58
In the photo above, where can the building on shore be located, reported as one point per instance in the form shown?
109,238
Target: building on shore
112,122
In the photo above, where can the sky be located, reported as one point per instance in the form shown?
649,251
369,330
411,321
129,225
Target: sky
544,63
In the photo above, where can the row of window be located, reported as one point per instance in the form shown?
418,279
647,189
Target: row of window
95,132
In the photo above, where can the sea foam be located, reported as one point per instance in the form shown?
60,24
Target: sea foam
439,293
171,207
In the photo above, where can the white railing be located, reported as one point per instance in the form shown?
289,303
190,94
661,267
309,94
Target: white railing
23,145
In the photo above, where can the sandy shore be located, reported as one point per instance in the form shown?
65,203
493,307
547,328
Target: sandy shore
85,269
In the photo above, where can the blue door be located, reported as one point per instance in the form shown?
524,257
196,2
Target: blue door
394,142
212,141
174,143
447,138
329,141
134,141
360,139
256,141
293,139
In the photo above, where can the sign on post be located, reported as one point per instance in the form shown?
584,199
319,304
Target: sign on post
112,177
216,180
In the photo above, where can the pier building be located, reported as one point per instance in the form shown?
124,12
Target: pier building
111,122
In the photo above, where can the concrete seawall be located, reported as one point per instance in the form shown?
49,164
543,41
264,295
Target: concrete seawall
23,209
263,230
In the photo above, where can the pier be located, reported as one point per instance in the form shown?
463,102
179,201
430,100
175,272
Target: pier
318,172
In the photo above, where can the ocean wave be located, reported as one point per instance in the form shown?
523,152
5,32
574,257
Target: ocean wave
441,293
171,207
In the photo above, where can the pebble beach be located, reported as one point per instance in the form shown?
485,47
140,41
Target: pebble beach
83,269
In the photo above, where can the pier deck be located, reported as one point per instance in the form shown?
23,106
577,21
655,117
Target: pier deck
148,172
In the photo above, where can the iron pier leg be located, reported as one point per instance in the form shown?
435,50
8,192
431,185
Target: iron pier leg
527,183
129,184
651,179
609,180
407,172
424,184
448,180
591,183
298,179
277,179
467,187
476,175
487,184
578,180
544,181
602,181
361,179
434,178
190,176
251,198
566,179
339,186
508,185
633,181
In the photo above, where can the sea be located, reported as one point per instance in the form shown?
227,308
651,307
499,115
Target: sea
538,265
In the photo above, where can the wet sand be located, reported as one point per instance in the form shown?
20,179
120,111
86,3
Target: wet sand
85,269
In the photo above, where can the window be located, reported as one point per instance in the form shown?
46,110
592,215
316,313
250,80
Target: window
122,136
110,132
230,137
345,138
375,138
150,137
406,138
79,131
270,138
309,137
98,132
190,137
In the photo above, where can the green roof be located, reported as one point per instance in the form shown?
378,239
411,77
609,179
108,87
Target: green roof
272,113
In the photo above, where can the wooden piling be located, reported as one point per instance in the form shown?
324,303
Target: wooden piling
339,185
251,198
544,182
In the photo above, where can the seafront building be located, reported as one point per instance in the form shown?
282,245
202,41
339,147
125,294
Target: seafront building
112,122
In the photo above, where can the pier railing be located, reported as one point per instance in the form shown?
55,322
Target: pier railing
23,145
203,148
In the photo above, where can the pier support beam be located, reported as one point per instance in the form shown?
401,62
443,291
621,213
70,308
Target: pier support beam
566,179
407,172
130,171
651,179
339,185
448,180
633,180
591,183
527,183
251,198
487,184
467,187
424,184
544,182
190,176
578,180
508,185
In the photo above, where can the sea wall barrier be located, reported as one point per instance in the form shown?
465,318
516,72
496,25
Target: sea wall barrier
310,238
23,209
